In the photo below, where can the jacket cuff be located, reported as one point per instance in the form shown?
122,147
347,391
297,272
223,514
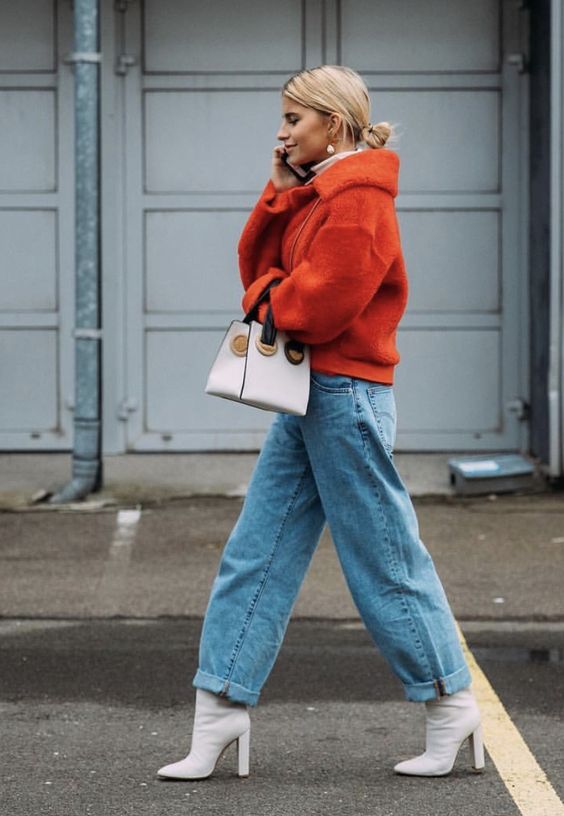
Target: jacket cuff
284,300
273,200
258,286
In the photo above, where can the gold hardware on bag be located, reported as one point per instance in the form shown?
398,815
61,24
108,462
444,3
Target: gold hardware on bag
293,355
265,349
238,344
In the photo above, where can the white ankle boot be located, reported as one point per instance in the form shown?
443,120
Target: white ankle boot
450,720
218,722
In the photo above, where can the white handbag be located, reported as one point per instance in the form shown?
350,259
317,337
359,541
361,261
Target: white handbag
261,366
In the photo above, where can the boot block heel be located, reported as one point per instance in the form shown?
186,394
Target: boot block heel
477,749
243,747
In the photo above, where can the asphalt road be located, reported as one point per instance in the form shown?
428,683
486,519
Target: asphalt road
92,704
90,710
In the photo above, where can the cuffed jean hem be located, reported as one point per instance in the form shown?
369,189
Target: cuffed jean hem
233,691
434,689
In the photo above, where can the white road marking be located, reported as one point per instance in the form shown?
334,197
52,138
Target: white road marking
109,592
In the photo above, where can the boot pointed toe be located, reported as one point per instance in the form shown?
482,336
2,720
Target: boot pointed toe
184,769
422,766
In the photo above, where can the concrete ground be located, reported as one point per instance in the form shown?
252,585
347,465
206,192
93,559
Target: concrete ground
149,477
98,644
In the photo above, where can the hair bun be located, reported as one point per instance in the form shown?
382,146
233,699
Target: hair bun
376,136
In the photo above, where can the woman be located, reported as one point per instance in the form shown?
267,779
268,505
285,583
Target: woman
332,245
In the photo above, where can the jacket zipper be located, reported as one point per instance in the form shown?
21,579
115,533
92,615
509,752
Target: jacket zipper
299,232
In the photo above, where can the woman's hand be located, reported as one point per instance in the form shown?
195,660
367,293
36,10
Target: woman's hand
282,177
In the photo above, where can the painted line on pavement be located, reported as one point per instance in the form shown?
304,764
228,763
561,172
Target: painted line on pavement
521,774
110,589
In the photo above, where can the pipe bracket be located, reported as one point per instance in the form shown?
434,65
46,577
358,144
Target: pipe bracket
87,334
83,56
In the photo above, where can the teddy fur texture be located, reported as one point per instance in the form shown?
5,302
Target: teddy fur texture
335,246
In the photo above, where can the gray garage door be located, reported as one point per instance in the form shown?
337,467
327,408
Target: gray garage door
202,109
36,218
187,135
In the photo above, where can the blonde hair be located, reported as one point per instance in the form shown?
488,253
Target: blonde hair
337,89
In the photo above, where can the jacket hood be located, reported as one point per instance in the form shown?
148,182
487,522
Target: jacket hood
372,168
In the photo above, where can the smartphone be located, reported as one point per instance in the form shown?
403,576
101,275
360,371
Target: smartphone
301,171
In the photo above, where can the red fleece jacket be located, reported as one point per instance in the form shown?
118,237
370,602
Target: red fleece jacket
335,246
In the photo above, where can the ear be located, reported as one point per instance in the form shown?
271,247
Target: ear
335,123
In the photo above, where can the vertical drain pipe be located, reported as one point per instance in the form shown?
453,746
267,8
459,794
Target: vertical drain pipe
87,459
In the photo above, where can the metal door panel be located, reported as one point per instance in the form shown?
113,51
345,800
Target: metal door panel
188,256
28,381
249,35
448,385
177,367
28,273
453,257
27,140
410,36
450,158
179,124
27,36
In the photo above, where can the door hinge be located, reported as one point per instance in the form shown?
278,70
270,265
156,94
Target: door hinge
520,407
520,60
126,407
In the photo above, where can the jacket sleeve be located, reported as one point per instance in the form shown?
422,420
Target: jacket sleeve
259,245
341,270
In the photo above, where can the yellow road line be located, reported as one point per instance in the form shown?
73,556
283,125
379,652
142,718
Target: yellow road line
520,772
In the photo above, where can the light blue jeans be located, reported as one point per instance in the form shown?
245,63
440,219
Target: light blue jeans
334,465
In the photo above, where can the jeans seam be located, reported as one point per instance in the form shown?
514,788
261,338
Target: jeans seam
262,583
392,561
381,434
328,390
388,448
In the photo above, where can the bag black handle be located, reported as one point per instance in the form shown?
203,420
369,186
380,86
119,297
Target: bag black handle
268,334
252,314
